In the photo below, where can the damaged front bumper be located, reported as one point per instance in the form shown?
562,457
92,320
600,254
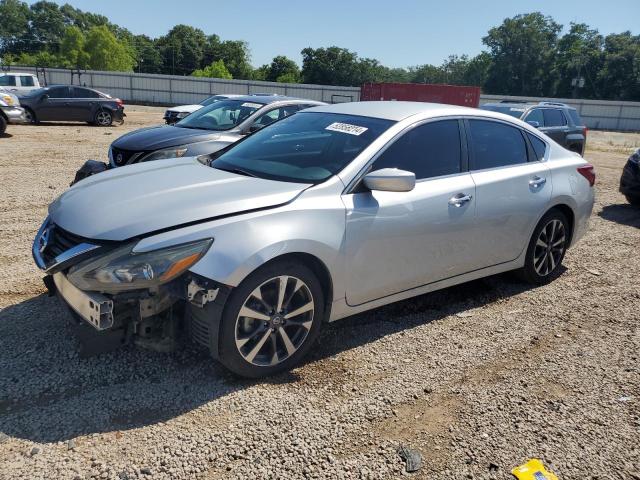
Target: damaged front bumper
190,307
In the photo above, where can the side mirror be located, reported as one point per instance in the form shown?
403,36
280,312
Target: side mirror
533,123
390,180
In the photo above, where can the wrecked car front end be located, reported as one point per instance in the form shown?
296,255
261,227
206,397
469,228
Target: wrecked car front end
120,296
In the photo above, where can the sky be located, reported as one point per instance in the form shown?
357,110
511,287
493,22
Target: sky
398,33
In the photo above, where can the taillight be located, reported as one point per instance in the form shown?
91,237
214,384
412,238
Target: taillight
588,172
119,102
585,130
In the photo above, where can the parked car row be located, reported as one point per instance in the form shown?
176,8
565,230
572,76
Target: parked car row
269,216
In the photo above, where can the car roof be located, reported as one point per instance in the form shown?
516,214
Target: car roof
268,99
392,110
527,105
24,74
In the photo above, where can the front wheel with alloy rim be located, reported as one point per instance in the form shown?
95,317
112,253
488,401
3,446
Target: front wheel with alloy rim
30,116
103,118
271,320
546,249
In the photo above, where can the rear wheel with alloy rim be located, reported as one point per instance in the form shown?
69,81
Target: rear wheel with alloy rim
271,320
547,248
103,118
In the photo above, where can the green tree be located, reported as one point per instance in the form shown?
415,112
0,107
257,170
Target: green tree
523,52
330,66
148,58
47,26
234,53
215,70
14,26
619,77
72,49
281,69
105,52
580,55
426,73
182,49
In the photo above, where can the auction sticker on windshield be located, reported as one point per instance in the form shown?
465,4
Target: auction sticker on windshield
347,128
252,105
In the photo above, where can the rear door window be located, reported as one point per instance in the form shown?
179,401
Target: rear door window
84,93
428,150
496,145
27,81
554,117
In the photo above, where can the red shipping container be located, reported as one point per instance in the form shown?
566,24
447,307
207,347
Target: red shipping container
422,92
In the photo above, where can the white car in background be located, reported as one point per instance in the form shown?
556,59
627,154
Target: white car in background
19,83
175,114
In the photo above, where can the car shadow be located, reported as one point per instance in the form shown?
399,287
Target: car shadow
48,393
623,213
5,135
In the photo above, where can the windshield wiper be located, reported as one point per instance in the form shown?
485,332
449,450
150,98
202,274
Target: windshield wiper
238,171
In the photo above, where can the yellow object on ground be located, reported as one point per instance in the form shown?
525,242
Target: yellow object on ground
533,470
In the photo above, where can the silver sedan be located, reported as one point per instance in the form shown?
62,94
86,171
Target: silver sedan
324,214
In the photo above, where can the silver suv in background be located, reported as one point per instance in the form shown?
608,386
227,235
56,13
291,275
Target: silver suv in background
175,114
557,120
332,211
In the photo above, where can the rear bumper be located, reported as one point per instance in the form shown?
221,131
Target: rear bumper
118,115
14,114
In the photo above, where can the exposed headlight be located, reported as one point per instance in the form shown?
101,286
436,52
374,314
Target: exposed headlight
123,269
182,114
173,152
9,100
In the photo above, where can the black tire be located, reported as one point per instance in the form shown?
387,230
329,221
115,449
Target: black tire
535,270
3,125
229,353
31,116
635,201
103,118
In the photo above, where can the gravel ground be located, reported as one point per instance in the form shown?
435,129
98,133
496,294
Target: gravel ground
478,378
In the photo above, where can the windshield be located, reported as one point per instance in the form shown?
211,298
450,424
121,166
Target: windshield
208,101
221,115
508,110
308,147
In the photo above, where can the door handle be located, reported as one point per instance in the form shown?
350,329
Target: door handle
460,199
537,182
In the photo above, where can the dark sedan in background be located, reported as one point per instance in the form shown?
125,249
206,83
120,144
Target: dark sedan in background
205,131
72,103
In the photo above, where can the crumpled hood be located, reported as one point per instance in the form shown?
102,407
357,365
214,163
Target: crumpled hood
154,138
127,202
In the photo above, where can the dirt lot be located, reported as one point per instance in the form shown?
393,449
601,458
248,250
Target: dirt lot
479,377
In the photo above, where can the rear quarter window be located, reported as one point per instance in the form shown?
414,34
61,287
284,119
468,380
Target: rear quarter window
539,147
575,116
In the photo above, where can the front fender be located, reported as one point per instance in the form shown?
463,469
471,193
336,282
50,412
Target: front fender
245,242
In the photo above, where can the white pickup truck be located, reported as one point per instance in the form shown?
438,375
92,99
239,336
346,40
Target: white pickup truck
19,83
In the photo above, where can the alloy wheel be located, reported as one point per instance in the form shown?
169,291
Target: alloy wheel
103,119
550,247
274,321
